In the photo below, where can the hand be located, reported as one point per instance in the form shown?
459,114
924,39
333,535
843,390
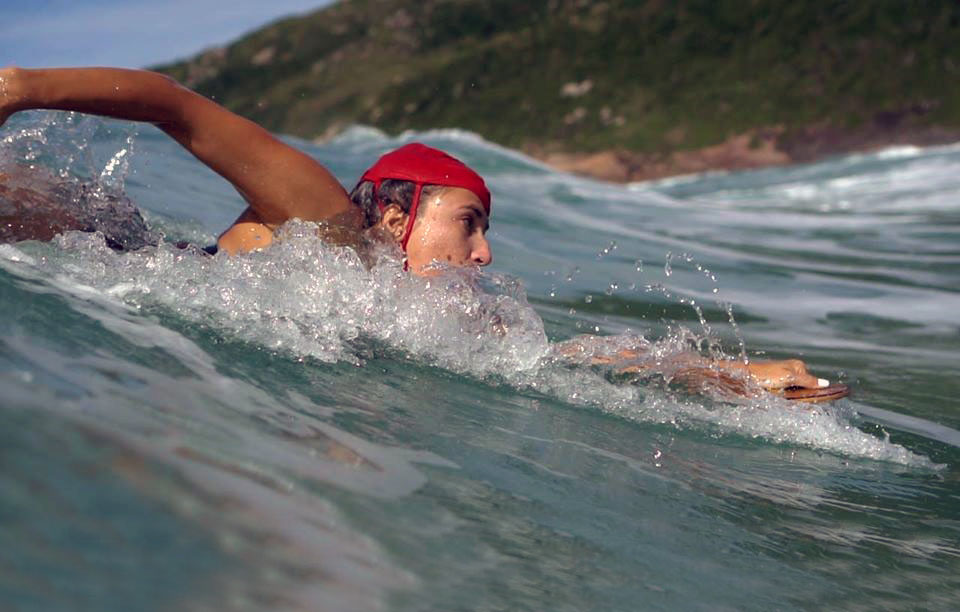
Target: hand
778,375
726,378
9,84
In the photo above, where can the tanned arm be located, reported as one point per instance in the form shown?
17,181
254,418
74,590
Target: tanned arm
692,368
278,181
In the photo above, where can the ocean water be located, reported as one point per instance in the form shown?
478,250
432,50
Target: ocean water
290,430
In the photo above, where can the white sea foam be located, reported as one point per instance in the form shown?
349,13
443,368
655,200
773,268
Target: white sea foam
308,299
275,476
304,298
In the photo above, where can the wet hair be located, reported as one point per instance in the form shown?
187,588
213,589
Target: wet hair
392,191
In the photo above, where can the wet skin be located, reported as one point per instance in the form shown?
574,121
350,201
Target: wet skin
450,228
280,182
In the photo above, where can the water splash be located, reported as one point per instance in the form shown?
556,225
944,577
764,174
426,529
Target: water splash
607,249
311,300
314,301
713,346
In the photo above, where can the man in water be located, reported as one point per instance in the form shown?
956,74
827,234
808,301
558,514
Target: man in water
430,204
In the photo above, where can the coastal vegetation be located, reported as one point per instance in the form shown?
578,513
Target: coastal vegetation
618,88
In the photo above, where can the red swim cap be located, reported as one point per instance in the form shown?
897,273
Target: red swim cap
423,165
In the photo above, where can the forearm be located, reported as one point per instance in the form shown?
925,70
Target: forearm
278,181
737,374
136,95
601,350
625,355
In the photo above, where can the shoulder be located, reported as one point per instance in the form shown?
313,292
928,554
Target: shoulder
249,232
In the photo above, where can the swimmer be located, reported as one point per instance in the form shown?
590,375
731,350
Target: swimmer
280,182
431,205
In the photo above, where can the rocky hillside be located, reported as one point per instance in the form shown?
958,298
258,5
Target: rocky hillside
617,88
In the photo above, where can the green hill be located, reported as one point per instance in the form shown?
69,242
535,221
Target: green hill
654,81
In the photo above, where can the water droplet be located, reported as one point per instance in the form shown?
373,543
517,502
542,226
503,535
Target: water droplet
607,249
588,299
571,275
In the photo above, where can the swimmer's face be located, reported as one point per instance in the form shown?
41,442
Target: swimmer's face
450,227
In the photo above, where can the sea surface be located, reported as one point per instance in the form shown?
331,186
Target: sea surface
292,430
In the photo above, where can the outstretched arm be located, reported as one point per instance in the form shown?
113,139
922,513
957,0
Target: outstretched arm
691,368
278,181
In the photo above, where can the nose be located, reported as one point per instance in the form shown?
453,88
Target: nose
481,254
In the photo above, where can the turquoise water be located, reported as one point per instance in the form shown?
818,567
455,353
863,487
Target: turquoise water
289,430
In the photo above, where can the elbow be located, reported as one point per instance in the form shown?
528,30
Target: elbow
178,104
170,89
166,79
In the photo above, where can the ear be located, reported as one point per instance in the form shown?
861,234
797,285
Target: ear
394,221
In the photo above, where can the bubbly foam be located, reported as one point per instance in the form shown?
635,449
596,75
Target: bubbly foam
311,300
308,299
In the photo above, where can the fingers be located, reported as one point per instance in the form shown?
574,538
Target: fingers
777,375
801,376
11,92
808,381
796,366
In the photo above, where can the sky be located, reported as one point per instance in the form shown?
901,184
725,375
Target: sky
128,33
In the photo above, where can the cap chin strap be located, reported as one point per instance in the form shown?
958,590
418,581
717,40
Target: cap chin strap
411,216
